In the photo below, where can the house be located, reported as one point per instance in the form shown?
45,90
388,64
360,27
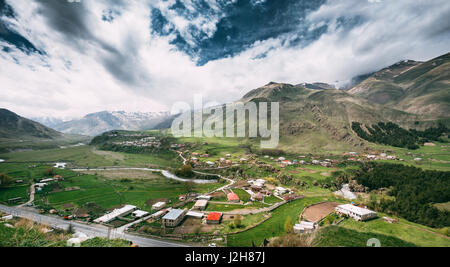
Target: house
201,204
305,227
194,214
228,155
233,197
139,213
315,162
182,198
60,165
47,180
214,218
258,197
282,190
116,213
174,217
58,177
210,163
256,188
204,197
357,213
159,214
159,206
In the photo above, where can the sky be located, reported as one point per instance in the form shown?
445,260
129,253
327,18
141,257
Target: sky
64,59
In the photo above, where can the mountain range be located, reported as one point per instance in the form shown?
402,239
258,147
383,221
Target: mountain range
313,116
96,123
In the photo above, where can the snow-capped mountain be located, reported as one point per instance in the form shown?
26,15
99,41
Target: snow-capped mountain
48,121
100,122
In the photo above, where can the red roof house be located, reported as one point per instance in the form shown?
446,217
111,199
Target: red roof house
214,218
232,197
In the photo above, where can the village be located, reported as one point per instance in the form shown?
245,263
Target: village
232,192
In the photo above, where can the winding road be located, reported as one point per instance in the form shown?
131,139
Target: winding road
93,230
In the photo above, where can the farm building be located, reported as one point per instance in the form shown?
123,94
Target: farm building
201,204
139,214
233,197
159,206
159,214
305,227
193,214
357,213
214,218
174,217
116,213
60,165
282,190
204,197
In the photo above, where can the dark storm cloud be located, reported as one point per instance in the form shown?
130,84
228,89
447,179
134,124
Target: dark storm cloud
72,21
243,23
9,35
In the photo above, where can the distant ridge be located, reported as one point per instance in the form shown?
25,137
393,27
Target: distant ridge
13,126
97,123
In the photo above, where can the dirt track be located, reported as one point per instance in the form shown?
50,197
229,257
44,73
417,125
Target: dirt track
317,212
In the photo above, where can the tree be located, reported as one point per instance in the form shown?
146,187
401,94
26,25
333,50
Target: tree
237,221
49,172
185,171
5,179
288,225
189,187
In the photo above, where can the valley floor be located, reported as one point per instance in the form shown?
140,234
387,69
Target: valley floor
95,191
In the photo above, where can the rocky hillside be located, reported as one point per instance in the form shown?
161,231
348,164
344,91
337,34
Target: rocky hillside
410,86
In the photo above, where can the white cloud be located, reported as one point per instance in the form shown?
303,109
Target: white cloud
75,78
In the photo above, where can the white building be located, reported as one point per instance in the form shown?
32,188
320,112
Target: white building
196,215
201,205
140,213
305,227
204,197
60,165
282,190
116,213
357,213
159,206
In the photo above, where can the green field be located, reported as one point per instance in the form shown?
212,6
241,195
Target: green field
416,234
110,193
335,236
272,227
87,156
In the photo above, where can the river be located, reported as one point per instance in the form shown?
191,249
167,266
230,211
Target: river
165,173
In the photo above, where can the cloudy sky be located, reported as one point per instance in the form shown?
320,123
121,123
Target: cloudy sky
64,59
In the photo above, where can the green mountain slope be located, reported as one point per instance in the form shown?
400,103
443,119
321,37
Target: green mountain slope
20,133
13,126
414,87
320,120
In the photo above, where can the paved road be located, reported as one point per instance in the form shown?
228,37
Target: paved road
90,230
